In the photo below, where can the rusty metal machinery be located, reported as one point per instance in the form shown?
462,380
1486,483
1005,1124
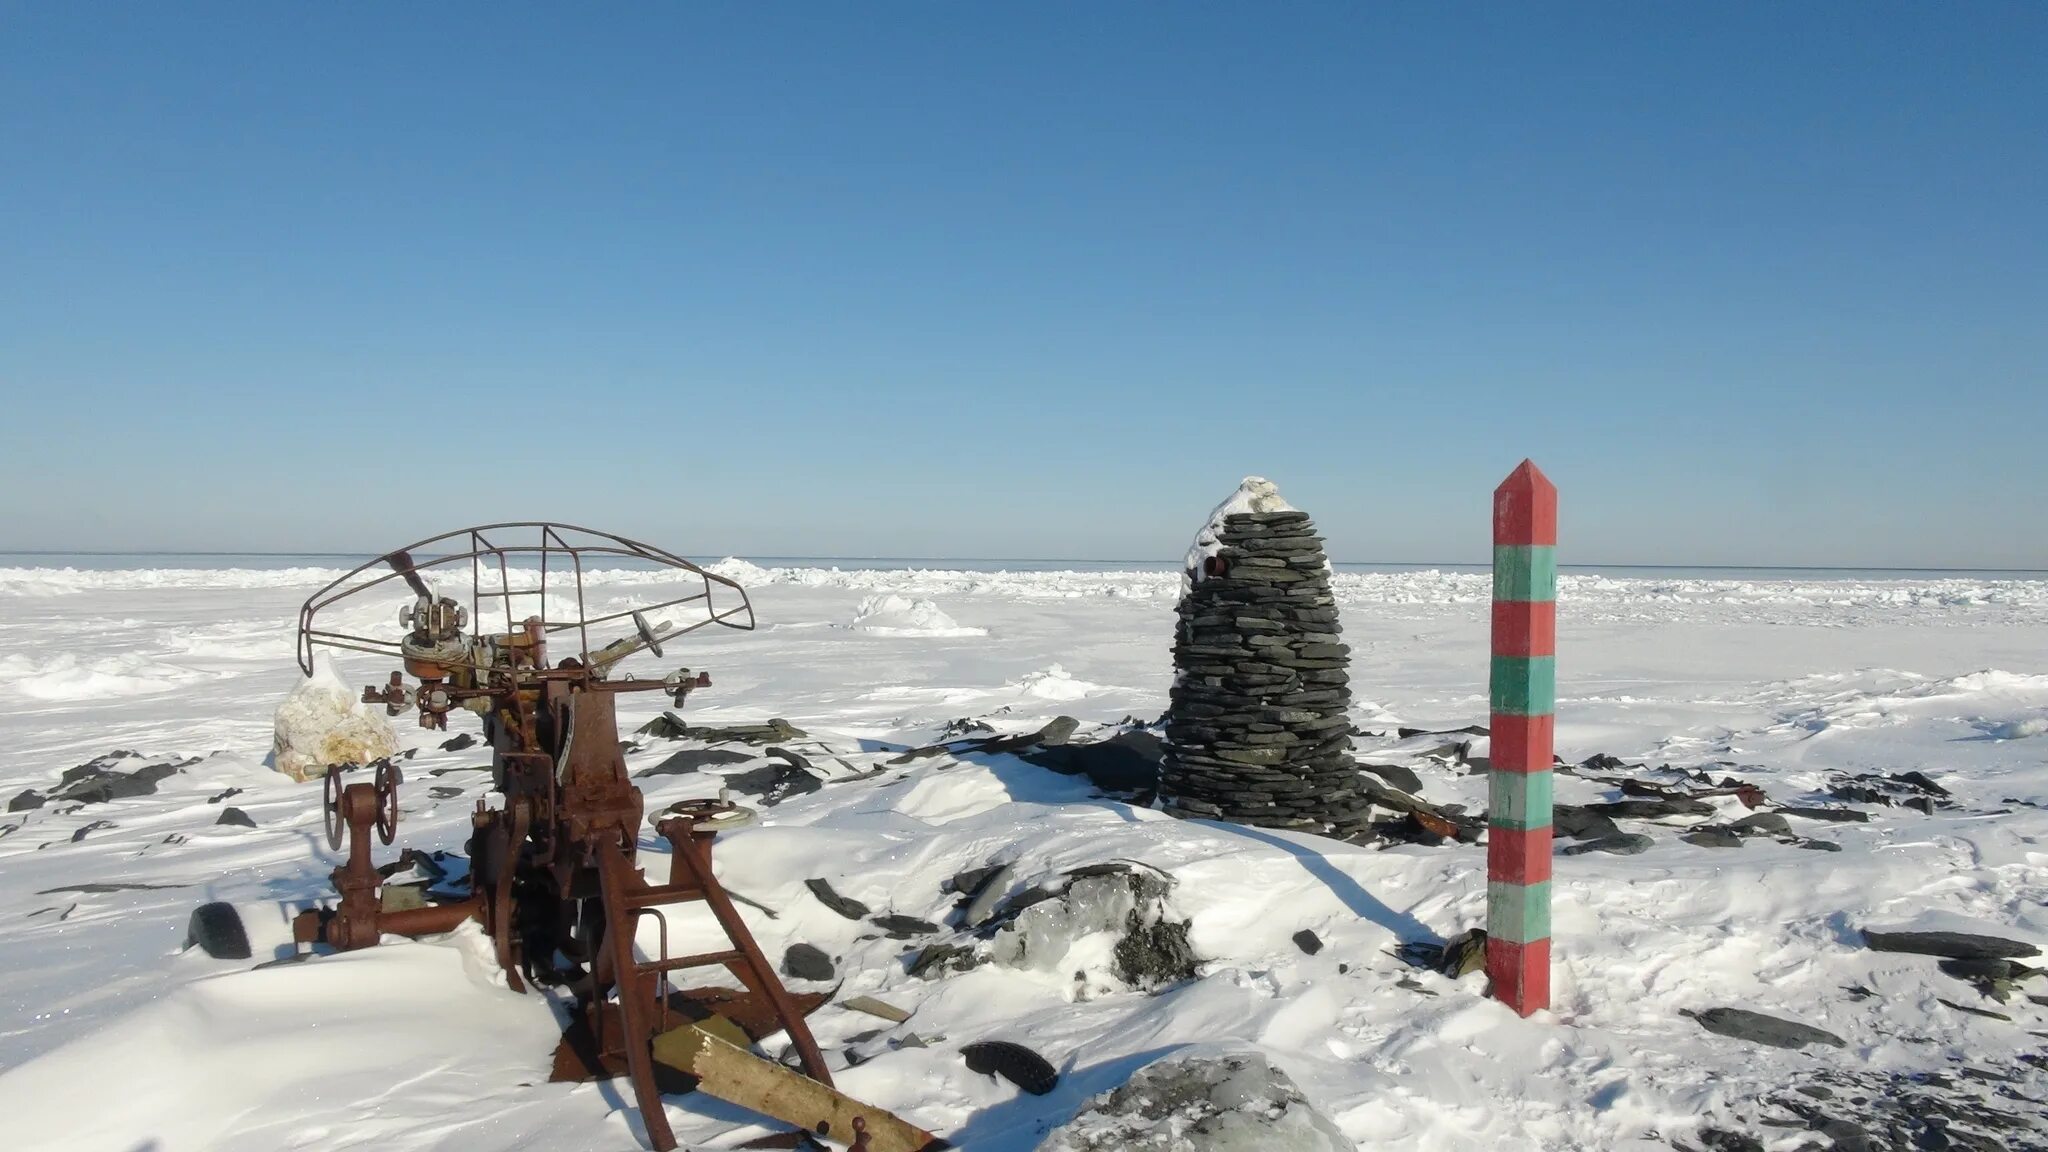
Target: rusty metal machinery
554,873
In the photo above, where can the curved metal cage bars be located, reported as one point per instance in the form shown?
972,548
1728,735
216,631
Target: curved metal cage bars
547,557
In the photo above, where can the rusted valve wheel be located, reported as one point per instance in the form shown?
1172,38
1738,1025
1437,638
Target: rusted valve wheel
331,807
387,801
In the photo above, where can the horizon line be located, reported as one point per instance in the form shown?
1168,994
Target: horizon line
1079,560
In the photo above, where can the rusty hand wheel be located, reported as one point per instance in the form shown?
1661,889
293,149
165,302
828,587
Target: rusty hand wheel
387,801
330,807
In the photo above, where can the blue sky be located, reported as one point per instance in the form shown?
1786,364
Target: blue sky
1755,284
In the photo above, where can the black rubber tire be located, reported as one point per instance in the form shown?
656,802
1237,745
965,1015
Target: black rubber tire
1013,1062
217,928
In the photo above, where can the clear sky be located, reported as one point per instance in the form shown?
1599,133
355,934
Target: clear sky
1755,283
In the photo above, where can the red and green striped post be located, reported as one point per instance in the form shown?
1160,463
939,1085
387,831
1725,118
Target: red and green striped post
1524,692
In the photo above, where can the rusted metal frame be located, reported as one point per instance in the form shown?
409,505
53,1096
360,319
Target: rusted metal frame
634,1026
752,968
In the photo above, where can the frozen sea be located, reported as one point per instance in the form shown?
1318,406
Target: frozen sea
1800,681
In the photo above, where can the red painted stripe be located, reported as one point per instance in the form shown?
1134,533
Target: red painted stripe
1518,857
1525,507
1520,974
1522,743
1524,628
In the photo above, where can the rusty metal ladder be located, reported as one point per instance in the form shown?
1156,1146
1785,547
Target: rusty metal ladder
644,985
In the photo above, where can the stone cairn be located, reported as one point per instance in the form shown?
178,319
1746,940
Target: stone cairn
1259,727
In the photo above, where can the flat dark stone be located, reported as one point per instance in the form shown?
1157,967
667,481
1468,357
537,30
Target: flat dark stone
236,817
1402,778
26,801
1620,844
693,759
850,908
1763,823
903,927
1953,945
1833,815
1579,824
458,743
807,962
1757,1028
1713,838
1648,809
1308,942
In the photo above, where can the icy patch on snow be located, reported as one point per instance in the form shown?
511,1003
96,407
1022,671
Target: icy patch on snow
1254,494
892,615
1055,683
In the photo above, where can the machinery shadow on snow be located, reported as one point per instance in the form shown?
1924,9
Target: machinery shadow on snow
1019,1124
1362,903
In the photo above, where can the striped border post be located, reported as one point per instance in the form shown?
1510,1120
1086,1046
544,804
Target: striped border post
1524,692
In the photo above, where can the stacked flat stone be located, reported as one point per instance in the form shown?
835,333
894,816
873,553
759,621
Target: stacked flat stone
1259,727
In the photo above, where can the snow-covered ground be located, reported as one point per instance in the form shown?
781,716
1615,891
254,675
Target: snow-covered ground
113,1038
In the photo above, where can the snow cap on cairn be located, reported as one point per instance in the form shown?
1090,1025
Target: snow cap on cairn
1254,494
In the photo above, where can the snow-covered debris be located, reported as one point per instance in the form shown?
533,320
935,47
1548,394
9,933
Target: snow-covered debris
893,615
1055,683
1201,1101
321,724
1254,494
1110,928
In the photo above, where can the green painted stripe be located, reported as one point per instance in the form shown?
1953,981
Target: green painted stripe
1525,685
1518,912
1519,800
1525,571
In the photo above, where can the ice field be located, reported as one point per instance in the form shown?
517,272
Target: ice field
114,1037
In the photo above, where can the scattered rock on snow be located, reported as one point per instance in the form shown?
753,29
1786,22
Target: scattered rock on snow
1833,815
235,816
1954,945
1013,1062
1201,1102
669,726
1403,778
26,800
1645,809
1713,838
771,784
693,759
1763,824
903,927
1579,824
1620,844
1037,928
1308,941
807,962
1742,1024
458,742
845,906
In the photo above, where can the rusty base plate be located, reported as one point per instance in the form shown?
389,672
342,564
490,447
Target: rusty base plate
577,1059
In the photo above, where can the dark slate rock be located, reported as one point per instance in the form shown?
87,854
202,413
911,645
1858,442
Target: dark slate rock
694,759
1921,781
1579,824
236,817
1833,815
1126,762
1763,824
845,906
903,927
1820,845
89,829
771,784
1620,844
1713,838
1402,778
807,962
1650,809
458,743
1722,1140
937,959
1013,1062
26,801
1953,945
1742,1024
969,883
1308,942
